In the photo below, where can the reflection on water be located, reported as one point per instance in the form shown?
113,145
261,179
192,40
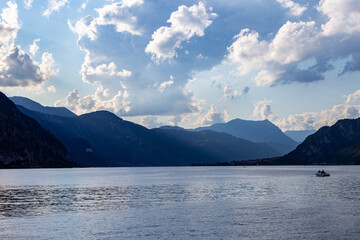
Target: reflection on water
214,184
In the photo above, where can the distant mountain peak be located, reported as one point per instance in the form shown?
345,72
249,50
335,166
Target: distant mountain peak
168,127
262,131
101,114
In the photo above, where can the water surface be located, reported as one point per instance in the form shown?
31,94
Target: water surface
284,202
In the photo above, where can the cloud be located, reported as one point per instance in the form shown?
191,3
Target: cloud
308,120
262,110
85,27
277,60
186,22
101,100
9,24
28,3
212,116
51,89
47,67
165,85
101,72
34,48
343,16
253,53
18,69
150,91
353,97
54,6
116,14
294,8
353,64
151,122
175,120
232,94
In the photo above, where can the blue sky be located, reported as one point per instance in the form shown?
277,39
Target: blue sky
187,63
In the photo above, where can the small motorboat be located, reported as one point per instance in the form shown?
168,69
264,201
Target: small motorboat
322,174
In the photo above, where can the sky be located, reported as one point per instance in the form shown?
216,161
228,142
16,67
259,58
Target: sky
186,63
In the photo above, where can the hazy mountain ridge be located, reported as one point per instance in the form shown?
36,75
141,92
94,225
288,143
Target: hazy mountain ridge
299,136
24,143
218,146
121,143
37,107
256,131
103,139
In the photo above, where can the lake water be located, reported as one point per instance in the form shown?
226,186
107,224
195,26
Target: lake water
286,202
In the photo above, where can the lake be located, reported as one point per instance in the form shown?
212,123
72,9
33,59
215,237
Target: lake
265,202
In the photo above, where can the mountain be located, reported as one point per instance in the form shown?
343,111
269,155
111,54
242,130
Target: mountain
117,142
338,144
210,146
37,107
299,136
24,143
255,131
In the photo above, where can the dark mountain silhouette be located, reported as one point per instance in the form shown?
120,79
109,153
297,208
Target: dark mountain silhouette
299,136
117,142
338,144
24,143
216,146
256,131
37,107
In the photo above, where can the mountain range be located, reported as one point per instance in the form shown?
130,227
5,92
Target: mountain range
101,139
24,143
256,131
112,141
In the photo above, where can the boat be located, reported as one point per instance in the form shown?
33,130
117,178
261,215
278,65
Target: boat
322,174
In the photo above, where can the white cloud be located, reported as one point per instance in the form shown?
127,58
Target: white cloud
294,8
151,122
344,16
28,3
54,6
9,25
278,60
117,14
51,89
212,116
266,78
308,120
293,42
232,94
353,97
34,48
18,69
9,15
101,72
165,85
262,110
85,27
175,120
101,100
47,68
186,22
